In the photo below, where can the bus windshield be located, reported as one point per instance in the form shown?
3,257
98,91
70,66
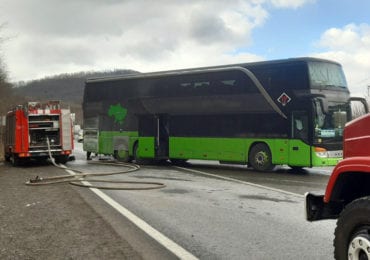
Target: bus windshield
329,127
324,74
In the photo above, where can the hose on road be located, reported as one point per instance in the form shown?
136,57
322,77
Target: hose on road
84,179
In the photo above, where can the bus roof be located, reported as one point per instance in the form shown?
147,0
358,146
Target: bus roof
205,69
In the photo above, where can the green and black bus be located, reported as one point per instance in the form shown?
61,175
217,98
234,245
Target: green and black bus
282,112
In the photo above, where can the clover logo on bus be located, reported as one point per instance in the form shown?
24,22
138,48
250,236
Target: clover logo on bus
118,112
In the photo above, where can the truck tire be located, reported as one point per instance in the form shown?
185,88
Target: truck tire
352,234
14,160
63,159
260,157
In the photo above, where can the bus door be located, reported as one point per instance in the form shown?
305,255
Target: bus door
299,148
162,136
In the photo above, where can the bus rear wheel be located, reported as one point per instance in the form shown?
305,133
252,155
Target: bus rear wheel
260,157
122,156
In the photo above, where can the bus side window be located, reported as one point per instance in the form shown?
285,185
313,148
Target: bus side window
298,124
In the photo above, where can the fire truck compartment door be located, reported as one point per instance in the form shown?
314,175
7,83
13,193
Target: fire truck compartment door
66,130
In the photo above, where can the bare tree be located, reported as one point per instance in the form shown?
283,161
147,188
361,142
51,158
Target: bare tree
6,98
6,92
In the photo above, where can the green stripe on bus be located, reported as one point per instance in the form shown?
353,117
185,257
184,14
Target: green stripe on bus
284,151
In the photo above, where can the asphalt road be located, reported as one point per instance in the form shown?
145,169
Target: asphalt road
211,216
211,211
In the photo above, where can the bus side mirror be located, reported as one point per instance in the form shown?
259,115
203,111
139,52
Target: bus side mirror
362,101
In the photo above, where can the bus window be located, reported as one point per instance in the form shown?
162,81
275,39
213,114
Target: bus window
288,76
329,126
326,75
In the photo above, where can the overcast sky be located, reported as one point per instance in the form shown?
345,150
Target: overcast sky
48,37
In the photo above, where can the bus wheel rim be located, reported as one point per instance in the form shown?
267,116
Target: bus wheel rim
261,158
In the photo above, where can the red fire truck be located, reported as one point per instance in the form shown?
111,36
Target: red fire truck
34,129
347,196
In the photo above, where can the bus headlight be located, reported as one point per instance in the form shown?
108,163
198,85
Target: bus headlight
321,152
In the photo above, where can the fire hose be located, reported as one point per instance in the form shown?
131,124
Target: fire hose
84,179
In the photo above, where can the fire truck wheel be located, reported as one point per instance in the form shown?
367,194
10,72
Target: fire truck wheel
352,234
14,160
260,157
63,159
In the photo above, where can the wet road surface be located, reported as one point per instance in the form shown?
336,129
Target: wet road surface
260,216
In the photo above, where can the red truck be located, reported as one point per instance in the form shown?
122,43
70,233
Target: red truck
347,196
30,127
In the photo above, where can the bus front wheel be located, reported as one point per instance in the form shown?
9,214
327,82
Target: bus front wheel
260,157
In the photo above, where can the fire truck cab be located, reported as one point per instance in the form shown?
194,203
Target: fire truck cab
35,129
347,195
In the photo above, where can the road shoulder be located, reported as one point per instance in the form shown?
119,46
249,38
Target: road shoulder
53,221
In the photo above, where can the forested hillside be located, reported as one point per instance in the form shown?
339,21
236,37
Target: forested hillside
67,88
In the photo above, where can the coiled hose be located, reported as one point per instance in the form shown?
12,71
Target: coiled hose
84,179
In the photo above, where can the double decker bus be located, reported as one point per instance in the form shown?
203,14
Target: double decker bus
282,112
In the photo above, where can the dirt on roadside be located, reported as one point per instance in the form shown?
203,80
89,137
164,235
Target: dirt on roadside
52,222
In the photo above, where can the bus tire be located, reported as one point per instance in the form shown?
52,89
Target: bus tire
260,157
179,162
297,169
352,234
122,156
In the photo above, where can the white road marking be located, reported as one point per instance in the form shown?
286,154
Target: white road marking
155,234
242,182
70,172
